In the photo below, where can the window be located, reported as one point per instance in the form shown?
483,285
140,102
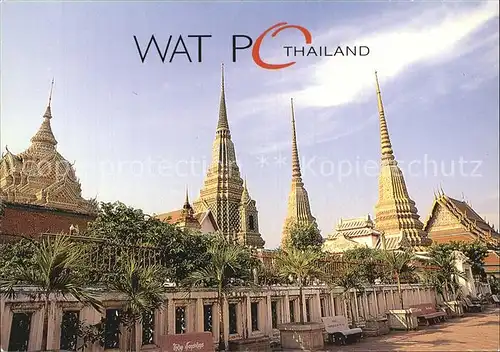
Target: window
180,320
291,305
322,305
274,314
308,310
112,329
251,223
233,319
254,308
148,328
69,330
207,317
20,332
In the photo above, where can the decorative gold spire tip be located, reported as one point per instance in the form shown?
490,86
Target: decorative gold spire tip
223,123
51,90
385,142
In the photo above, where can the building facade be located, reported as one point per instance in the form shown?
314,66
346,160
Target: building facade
39,190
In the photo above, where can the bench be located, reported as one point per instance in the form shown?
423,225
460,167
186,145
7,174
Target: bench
427,312
339,332
472,307
495,299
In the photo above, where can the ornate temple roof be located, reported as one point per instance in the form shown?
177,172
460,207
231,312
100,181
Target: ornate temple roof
186,216
339,243
298,209
41,176
395,211
466,216
357,227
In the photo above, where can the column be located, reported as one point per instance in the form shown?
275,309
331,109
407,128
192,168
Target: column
356,309
317,314
248,331
332,305
368,310
200,316
304,311
171,317
268,316
286,308
53,328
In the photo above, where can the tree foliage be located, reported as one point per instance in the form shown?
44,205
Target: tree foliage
229,265
476,252
303,236
182,251
444,275
368,263
142,287
56,268
400,264
16,254
301,267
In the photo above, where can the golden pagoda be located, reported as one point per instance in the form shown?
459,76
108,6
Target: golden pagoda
298,210
40,175
223,186
395,212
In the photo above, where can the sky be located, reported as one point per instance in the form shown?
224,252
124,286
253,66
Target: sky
141,132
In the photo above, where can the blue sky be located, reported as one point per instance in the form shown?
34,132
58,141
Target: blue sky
113,115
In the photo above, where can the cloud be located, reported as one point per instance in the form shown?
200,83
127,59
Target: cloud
399,43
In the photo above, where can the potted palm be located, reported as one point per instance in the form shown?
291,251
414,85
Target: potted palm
228,265
400,263
300,266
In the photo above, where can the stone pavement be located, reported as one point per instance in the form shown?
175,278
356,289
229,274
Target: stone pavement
473,332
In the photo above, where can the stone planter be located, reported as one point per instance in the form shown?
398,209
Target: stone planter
402,319
251,344
376,327
454,308
308,336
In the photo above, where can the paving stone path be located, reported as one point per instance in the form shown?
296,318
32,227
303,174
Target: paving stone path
473,332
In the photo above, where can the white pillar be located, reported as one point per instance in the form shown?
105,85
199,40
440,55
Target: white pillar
268,315
332,304
199,315
248,331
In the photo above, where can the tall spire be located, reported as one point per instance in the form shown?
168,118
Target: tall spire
186,202
245,196
48,112
44,139
385,142
223,186
222,124
296,174
395,212
298,209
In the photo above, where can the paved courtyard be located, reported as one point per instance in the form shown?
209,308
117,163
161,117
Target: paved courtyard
474,332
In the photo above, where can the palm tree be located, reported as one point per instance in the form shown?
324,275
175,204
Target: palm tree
300,266
349,278
399,263
227,267
56,269
143,290
445,275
